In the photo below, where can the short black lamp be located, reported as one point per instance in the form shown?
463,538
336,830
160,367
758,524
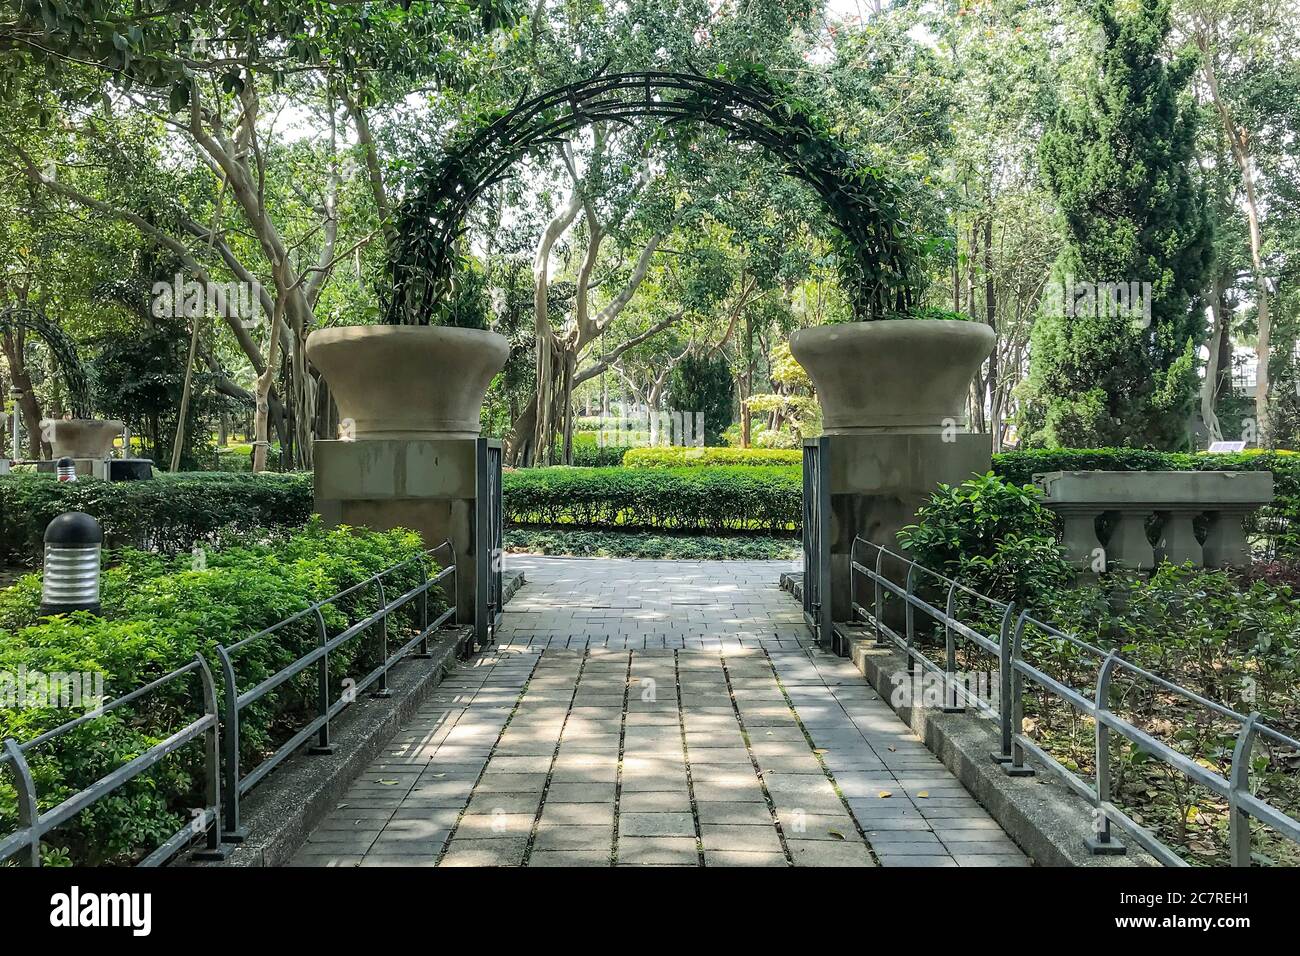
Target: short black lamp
73,542
66,470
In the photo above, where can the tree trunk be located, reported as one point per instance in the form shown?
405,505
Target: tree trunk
1210,384
1239,139
179,441
15,353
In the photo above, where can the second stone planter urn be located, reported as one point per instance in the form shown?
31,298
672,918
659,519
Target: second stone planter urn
84,438
892,375
408,381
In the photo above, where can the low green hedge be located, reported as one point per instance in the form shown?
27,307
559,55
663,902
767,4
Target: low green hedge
169,513
1278,526
588,452
695,499
653,545
158,613
678,457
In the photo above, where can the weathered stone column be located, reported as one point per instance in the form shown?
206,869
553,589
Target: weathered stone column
1178,544
425,485
1225,538
1128,546
1079,538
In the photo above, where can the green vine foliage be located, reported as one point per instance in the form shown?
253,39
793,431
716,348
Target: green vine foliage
876,248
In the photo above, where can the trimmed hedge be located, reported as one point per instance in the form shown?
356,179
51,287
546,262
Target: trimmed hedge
169,513
587,452
158,613
1278,525
695,499
654,545
679,457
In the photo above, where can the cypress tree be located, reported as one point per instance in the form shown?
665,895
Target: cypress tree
1119,162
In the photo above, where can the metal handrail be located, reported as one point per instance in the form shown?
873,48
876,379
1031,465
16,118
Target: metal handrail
222,785
1014,670
33,824
956,695
234,784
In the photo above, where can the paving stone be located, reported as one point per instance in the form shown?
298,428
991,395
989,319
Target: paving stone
551,837
743,858
655,801
488,803
749,837
495,825
571,858
472,852
731,812
916,859
578,814
828,853
302,858
638,824
657,850
580,793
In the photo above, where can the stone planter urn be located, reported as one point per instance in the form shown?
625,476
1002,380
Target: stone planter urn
408,381
905,375
893,398
84,438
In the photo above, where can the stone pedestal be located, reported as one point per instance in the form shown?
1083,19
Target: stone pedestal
877,482
424,484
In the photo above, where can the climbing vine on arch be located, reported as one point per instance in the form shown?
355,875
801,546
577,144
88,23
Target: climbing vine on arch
876,250
61,346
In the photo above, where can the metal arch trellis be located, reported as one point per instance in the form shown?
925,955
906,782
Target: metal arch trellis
63,348
875,250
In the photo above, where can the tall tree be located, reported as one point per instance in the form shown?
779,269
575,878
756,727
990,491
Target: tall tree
1118,159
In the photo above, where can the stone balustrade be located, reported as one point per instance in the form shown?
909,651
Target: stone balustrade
1175,500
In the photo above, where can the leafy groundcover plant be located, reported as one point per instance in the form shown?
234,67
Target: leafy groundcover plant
158,612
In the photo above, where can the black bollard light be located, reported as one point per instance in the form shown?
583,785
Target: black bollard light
67,470
72,558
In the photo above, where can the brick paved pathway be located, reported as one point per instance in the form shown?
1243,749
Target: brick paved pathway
576,602
722,743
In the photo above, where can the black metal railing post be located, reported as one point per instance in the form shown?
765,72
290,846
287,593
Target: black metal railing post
1239,785
323,744
232,832
211,765
382,692
29,814
1102,844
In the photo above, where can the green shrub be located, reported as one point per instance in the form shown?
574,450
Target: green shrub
158,613
169,513
994,537
588,453
696,499
678,457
